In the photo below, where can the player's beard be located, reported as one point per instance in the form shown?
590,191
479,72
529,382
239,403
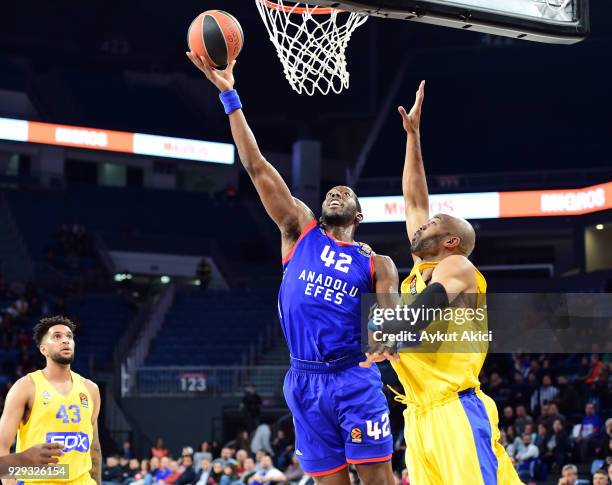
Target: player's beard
425,246
60,359
338,218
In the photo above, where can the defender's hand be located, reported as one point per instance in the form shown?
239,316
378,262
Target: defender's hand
40,454
224,80
412,120
377,352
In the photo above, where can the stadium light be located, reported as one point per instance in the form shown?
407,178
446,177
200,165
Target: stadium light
599,227
165,279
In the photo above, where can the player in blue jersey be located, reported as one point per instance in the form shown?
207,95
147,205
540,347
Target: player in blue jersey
339,410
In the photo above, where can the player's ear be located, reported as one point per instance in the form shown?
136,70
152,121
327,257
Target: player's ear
452,242
359,218
43,350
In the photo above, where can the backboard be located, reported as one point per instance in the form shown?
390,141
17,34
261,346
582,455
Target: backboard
549,21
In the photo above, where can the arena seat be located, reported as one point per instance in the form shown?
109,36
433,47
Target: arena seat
102,318
212,327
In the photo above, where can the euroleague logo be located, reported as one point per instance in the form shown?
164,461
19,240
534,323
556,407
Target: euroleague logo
356,435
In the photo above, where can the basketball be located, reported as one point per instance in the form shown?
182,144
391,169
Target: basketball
217,36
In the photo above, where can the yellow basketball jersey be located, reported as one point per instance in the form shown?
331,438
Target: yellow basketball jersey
64,419
435,371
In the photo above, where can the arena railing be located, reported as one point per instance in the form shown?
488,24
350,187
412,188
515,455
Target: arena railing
208,381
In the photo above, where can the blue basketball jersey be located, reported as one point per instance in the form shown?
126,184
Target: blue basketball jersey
319,301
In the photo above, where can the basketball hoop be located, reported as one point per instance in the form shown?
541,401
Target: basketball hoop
310,42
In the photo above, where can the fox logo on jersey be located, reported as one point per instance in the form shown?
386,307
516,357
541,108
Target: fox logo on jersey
71,441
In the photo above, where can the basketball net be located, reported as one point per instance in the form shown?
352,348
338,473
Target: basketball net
310,42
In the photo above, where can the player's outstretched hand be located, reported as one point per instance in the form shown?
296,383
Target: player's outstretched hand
412,120
40,454
224,80
378,355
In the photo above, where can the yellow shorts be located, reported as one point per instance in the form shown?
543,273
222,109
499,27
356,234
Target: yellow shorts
455,442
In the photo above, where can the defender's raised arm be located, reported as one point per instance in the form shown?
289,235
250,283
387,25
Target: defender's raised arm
414,183
289,214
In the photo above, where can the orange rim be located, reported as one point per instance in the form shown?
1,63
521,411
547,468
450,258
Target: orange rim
314,10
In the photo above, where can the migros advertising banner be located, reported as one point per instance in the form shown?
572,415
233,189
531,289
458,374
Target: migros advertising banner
116,141
493,205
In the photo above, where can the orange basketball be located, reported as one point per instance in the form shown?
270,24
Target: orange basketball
217,36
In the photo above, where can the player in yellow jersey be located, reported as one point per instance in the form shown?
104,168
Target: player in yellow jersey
56,405
451,425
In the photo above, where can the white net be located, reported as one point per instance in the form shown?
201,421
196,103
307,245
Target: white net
310,42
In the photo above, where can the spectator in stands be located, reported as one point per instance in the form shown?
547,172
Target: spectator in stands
557,447
124,463
603,447
541,438
204,453
215,448
507,417
267,474
175,473
600,477
249,471
545,393
127,449
590,430
527,457
216,473
553,415
241,456
567,397
261,439
294,472
144,476
159,450
522,419
569,476
163,471
518,389
279,446
251,407
188,476
596,366
532,387
112,472
610,472
227,457
204,472
133,468
154,465
229,475
519,442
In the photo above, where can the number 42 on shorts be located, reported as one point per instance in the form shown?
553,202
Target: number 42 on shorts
377,428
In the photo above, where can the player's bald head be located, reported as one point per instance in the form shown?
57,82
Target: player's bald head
457,226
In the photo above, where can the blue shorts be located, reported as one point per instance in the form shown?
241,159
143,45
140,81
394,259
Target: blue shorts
340,414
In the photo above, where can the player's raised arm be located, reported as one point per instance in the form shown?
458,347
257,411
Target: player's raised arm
414,183
289,214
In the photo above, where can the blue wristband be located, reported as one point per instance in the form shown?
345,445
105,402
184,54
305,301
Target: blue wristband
231,101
